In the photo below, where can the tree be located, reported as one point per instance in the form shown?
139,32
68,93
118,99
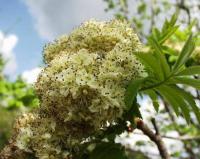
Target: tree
15,97
144,15
70,124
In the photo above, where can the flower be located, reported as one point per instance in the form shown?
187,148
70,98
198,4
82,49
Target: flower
87,72
82,86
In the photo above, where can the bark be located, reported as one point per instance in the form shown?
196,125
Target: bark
155,137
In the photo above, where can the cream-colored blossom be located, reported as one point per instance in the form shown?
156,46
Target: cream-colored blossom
82,87
85,78
37,134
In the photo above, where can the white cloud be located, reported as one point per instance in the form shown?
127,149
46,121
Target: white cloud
30,76
55,17
7,44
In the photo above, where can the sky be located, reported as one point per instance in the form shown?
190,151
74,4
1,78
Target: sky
27,25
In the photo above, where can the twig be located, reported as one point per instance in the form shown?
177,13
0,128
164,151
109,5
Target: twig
155,126
180,138
182,6
156,138
169,111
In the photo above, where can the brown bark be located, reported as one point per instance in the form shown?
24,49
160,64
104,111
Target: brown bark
155,137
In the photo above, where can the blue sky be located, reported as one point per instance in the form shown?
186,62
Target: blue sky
15,19
36,22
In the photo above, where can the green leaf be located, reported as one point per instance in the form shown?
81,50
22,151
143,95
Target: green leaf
135,111
142,8
150,63
171,23
169,98
168,28
160,56
156,33
193,70
108,150
185,53
169,51
168,34
184,106
177,101
187,81
152,94
190,100
131,91
174,18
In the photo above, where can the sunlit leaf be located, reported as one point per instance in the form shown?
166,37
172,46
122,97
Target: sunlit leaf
131,91
186,81
160,56
151,63
185,53
193,70
180,100
190,100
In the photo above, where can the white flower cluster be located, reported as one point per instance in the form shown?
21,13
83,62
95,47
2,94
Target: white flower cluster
36,134
82,87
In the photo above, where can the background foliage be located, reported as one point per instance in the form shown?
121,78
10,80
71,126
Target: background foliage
15,97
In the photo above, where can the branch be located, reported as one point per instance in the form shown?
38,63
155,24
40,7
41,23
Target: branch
179,138
182,6
169,111
155,126
156,138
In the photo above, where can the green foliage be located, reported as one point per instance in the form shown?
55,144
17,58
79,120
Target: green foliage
17,94
131,92
184,54
168,29
106,150
167,68
152,94
193,70
6,123
120,5
2,63
161,60
162,82
163,78
136,155
15,97
143,14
